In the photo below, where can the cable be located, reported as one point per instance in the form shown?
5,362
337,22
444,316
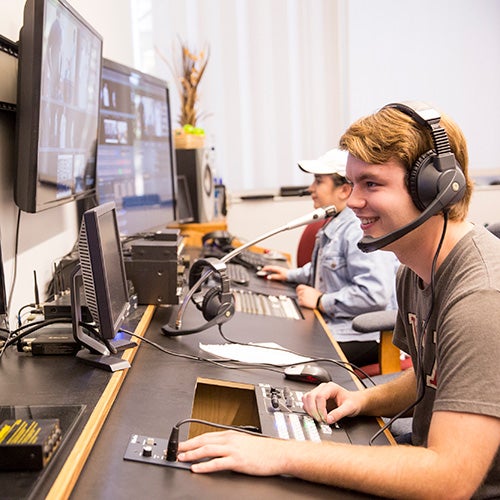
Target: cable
346,365
240,365
420,372
32,327
173,440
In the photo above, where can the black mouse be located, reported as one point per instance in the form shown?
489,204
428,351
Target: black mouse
310,373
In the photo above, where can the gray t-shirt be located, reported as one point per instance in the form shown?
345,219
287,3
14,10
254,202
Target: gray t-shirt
460,352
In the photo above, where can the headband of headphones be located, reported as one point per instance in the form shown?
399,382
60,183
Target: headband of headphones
215,266
436,171
428,117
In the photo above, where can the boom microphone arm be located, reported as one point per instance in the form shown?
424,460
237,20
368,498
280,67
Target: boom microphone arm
318,214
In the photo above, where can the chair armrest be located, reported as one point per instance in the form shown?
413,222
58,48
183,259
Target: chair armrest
373,321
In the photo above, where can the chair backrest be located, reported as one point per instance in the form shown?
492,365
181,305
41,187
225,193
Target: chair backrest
494,228
306,242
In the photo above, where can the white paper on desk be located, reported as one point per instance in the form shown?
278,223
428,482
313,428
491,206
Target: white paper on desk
254,353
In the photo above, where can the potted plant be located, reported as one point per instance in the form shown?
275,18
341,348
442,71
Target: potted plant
188,70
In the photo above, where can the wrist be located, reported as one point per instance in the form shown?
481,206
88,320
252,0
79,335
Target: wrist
318,301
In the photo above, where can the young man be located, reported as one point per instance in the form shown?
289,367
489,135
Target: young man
449,320
341,281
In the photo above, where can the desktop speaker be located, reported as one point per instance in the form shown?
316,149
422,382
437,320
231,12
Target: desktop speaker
197,166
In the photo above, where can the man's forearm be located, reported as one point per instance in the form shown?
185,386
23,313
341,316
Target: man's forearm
386,400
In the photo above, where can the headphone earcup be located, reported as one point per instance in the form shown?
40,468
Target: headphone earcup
211,305
423,181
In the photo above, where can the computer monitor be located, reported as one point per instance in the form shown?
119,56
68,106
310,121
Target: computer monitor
59,75
102,273
135,160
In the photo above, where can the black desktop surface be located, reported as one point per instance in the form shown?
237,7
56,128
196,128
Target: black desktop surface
158,392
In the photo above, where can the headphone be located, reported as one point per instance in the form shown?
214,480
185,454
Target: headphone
217,243
435,180
217,306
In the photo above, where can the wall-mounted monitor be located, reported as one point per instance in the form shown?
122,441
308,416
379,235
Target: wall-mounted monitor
59,73
135,160
102,273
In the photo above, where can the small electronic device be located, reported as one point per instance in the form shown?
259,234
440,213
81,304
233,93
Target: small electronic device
102,273
28,444
59,79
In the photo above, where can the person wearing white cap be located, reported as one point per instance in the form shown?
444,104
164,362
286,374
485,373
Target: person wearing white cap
341,281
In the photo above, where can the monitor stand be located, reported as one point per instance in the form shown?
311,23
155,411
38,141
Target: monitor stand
94,352
103,361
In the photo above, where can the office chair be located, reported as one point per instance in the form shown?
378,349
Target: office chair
306,242
390,360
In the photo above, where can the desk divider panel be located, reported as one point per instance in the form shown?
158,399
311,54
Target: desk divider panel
223,402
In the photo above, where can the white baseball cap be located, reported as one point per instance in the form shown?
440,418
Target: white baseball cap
333,162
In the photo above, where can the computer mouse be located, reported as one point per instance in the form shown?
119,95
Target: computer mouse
310,373
262,274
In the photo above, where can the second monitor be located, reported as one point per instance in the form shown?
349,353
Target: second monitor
135,163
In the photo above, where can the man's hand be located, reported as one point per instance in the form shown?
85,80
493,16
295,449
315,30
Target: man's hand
236,451
330,402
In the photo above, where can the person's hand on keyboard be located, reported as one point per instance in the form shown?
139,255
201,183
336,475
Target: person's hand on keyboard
277,273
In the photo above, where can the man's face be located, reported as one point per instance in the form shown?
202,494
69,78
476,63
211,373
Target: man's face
380,198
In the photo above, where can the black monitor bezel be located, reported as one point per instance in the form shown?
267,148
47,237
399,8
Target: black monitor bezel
28,107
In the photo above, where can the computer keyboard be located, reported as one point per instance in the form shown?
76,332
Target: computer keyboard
237,273
282,415
251,260
280,306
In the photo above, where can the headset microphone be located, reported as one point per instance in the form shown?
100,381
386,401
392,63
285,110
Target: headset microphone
435,180
218,303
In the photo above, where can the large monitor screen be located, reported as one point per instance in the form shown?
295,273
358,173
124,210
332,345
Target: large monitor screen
57,106
135,165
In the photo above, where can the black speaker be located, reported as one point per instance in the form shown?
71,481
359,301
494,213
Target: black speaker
436,172
197,166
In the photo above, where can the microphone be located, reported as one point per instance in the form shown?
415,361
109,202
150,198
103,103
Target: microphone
452,192
220,266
